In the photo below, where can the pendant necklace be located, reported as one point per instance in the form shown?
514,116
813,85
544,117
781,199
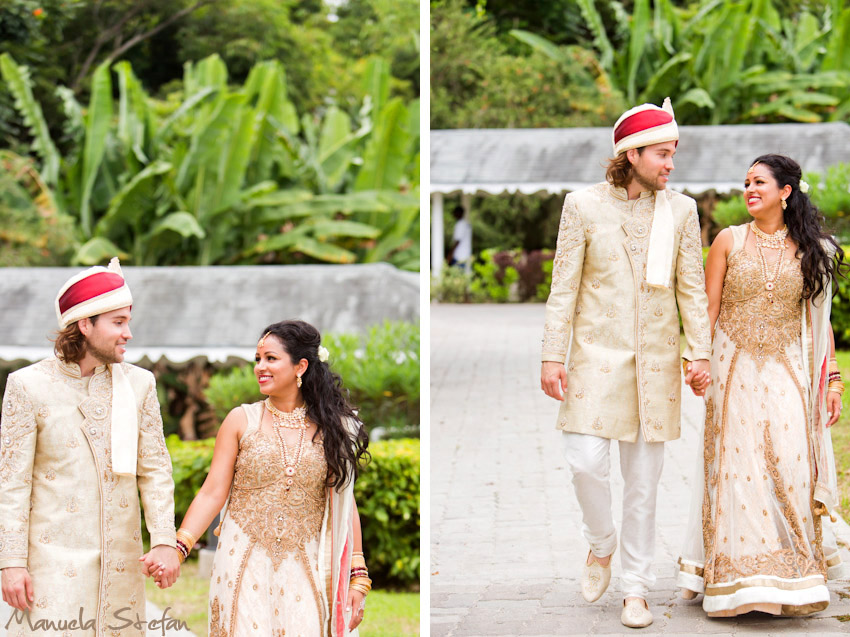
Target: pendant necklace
295,419
775,241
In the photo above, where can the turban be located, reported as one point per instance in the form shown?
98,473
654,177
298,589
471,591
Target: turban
637,127
96,291
91,292
644,125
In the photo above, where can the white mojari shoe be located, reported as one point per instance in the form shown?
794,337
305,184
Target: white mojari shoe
595,579
635,613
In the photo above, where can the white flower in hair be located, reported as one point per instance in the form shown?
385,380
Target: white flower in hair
804,186
323,353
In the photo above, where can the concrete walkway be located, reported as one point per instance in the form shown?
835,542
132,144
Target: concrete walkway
505,526
151,613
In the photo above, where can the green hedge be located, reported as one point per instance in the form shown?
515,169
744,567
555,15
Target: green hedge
387,494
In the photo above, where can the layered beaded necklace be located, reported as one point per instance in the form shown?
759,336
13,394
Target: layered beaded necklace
775,241
295,419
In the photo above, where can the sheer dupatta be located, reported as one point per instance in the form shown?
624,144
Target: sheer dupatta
816,330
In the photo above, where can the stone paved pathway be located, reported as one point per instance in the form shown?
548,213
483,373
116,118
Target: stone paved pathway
506,546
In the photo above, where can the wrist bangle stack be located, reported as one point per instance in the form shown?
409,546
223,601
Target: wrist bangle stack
185,542
834,379
359,574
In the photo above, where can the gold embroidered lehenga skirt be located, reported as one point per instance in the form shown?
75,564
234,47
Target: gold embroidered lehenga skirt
265,578
755,543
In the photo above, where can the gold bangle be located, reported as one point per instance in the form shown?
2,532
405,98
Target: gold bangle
358,561
361,581
180,557
685,364
360,553
360,587
188,539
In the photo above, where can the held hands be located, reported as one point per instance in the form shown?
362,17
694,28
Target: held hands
833,410
698,376
161,563
357,606
17,587
553,379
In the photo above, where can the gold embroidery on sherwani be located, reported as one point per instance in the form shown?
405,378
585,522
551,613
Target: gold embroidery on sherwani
83,521
624,350
18,424
570,237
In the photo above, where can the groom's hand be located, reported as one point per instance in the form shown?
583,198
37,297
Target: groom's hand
553,379
17,587
698,376
162,563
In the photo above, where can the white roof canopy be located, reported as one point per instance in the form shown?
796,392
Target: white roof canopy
552,160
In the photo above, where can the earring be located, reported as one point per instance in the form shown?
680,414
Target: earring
784,204
298,382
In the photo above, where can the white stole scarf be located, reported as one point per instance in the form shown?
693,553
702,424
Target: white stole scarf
660,255
125,424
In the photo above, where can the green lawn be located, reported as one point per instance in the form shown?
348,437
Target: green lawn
388,614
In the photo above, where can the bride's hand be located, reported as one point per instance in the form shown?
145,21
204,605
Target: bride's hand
833,407
357,606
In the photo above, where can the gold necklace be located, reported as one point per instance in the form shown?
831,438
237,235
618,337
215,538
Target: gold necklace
295,419
773,241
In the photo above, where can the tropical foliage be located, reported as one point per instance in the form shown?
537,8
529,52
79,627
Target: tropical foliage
229,174
477,81
722,61
725,61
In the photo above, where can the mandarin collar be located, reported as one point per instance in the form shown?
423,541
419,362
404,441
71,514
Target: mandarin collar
621,193
73,369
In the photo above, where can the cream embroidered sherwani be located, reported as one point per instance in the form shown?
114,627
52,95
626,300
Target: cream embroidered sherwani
623,335
64,515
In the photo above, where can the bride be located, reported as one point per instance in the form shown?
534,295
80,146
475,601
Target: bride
755,538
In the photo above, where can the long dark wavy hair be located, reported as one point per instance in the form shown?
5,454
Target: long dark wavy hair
805,226
326,401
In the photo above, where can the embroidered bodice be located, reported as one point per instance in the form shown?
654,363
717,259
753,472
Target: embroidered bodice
280,513
759,322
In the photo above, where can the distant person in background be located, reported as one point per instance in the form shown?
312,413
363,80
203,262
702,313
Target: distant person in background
627,264
290,558
461,250
81,437
766,473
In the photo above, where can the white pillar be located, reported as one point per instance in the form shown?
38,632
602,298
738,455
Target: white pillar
466,202
437,246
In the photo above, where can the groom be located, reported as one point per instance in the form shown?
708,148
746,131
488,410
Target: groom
80,438
628,263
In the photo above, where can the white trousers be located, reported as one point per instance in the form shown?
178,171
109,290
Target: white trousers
588,459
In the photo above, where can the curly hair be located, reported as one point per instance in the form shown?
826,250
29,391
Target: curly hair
805,226
619,171
70,344
326,401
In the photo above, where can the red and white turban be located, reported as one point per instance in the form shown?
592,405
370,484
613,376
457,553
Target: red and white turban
644,125
91,292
